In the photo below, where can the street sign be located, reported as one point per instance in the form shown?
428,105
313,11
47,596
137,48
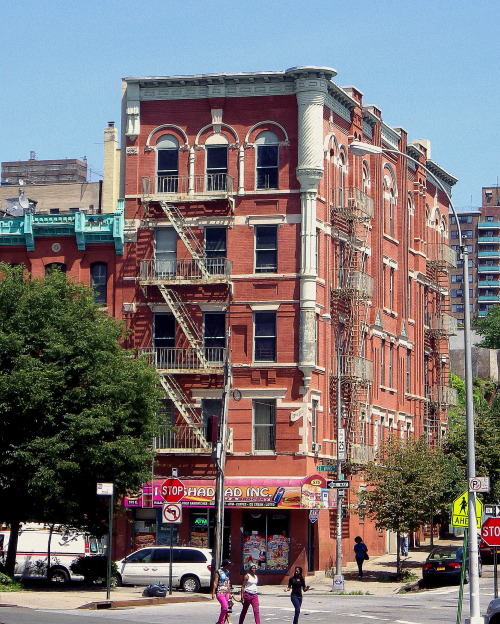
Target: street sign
492,510
341,485
172,490
341,447
479,484
105,489
313,515
326,468
490,531
171,513
460,511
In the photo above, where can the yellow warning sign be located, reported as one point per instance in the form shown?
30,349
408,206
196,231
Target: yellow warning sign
460,511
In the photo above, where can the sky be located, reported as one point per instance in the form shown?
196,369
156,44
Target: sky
431,66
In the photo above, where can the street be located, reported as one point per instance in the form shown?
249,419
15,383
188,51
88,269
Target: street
437,606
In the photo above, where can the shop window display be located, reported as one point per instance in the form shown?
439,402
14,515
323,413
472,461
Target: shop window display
266,541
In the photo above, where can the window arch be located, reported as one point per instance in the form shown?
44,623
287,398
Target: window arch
167,163
366,177
98,280
267,146
341,179
216,147
390,201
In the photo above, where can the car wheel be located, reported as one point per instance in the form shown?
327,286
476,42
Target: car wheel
59,575
466,577
190,584
118,580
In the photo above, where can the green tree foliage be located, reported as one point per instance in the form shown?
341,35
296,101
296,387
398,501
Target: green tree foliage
409,483
489,327
76,408
486,431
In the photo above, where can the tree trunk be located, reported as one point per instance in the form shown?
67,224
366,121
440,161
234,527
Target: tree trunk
399,563
51,529
10,561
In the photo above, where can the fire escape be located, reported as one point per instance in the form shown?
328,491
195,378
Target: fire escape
351,292
439,326
175,281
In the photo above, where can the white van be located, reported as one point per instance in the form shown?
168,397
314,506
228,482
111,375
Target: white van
66,545
190,567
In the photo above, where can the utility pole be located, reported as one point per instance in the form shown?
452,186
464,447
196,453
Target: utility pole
219,457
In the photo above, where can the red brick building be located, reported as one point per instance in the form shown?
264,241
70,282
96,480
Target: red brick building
257,245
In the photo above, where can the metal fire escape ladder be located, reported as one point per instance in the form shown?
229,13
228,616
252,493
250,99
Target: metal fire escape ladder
192,418
184,319
187,236
351,294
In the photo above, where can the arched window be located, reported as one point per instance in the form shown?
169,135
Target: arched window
167,163
342,171
55,266
366,178
390,201
267,145
217,149
99,278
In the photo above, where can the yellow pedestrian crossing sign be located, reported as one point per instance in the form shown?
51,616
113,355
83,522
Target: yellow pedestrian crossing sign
460,511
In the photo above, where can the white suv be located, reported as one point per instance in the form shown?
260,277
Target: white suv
190,567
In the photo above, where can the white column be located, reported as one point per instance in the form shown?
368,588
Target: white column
241,170
191,172
310,98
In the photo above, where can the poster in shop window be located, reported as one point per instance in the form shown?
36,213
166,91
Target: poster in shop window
254,551
277,552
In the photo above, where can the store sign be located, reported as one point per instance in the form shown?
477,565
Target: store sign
288,493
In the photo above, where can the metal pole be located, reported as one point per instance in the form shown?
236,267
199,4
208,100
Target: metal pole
220,463
338,551
171,529
110,534
495,572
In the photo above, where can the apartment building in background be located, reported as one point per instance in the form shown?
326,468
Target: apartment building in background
270,273
481,232
33,171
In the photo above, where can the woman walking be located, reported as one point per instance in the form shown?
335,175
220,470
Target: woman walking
296,583
221,588
361,553
249,595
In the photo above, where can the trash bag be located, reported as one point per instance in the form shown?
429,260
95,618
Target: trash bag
159,590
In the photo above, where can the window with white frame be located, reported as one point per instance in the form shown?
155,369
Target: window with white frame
265,336
266,248
167,164
264,425
267,145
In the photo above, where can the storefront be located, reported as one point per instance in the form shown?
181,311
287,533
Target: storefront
261,516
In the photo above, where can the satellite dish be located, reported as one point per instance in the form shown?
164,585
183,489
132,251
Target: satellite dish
24,202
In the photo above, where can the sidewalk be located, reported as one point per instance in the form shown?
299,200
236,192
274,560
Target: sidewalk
376,569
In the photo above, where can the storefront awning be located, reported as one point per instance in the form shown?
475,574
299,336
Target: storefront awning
264,492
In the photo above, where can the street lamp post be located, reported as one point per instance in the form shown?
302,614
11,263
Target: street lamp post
359,148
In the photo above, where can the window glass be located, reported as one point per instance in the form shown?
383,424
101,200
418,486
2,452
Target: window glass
191,555
267,160
214,336
266,541
163,330
266,248
99,275
264,425
216,249
167,150
216,167
141,556
265,337
165,251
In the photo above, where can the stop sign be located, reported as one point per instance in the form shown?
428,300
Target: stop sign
172,490
490,531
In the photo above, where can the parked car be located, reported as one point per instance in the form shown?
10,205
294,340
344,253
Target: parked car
444,564
190,567
486,552
493,612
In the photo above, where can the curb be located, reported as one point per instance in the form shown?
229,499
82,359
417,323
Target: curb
138,602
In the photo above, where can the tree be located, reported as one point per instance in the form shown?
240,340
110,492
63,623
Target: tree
76,408
407,485
489,327
486,433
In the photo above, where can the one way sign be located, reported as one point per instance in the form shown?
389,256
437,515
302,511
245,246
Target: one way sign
337,485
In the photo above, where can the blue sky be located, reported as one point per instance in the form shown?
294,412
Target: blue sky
432,66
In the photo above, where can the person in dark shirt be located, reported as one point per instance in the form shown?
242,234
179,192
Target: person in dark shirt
360,552
296,583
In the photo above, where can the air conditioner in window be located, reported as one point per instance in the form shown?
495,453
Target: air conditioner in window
316,448
129,308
